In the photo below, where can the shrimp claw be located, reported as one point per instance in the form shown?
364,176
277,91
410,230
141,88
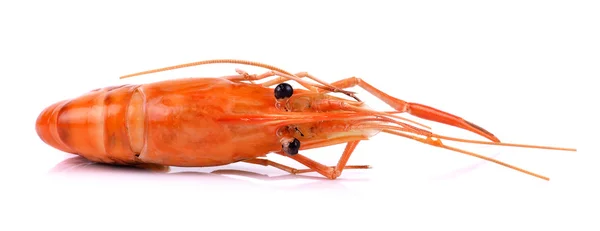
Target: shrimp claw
415,109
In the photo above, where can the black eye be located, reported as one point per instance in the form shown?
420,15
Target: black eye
283,90
292,147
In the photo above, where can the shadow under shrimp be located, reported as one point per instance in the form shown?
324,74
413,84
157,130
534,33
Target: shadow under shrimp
80,166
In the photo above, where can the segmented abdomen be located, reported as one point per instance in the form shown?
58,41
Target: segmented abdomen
104,125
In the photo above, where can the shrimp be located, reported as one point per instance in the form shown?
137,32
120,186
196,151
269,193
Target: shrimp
201,122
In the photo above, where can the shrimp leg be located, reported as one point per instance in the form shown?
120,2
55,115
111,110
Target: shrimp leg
291,170
282,77
244,76
415,109
331,172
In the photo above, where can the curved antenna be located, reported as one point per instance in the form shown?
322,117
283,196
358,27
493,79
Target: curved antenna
244,62
212,61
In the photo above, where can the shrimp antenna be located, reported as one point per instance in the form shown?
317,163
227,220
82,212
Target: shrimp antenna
280,71
438,143
502,143
212,61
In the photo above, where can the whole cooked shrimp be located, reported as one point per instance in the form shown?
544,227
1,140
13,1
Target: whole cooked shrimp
217,121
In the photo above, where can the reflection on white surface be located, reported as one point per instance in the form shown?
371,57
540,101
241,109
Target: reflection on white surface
80,168
77,193
238,173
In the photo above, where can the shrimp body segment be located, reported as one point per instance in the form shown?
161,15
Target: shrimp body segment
201,122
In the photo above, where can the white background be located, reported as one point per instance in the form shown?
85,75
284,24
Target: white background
521,69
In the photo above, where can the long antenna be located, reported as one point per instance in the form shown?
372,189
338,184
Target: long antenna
503,144
212,61
438,143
